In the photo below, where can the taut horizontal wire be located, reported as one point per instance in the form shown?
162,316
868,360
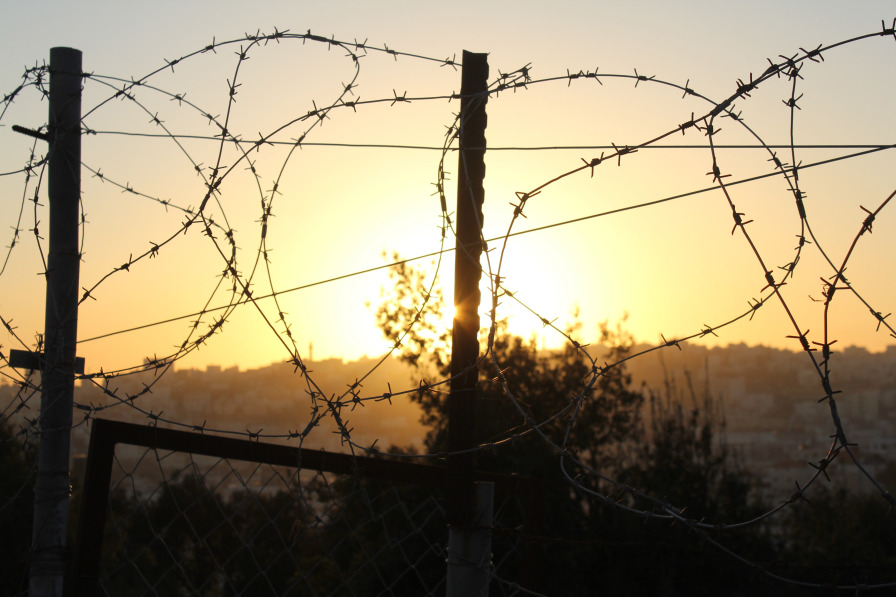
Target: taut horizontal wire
507,148
494,239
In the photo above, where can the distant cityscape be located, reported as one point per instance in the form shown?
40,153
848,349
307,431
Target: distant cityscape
776,422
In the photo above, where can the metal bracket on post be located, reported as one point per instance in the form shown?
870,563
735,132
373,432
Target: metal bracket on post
24,359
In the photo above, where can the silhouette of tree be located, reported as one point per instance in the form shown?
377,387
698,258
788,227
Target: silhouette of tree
17,468
685,459
839,537
327,537
544,383
668,451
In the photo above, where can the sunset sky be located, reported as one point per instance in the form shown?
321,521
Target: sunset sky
674,267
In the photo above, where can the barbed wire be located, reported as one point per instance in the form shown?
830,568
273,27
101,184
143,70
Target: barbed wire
237,280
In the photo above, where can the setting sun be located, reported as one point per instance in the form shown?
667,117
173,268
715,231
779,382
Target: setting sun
246,221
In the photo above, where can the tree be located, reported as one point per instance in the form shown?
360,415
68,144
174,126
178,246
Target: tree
587,407
17,476
684,458
556,390
838,537
683,464
318,536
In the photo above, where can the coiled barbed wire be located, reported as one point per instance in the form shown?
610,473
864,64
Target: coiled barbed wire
238,281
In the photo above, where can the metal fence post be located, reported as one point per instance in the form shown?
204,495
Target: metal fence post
470,548
465,570
52,489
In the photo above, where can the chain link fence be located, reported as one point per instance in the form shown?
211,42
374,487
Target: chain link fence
192,514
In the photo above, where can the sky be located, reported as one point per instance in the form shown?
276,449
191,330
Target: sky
673,268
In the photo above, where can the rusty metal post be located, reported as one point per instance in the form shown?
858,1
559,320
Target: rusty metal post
52,489
465,574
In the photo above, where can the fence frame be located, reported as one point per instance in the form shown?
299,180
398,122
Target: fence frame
106,434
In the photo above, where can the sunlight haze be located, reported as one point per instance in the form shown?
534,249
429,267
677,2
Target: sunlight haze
673,268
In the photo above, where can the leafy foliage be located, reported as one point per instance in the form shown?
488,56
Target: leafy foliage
593,414
17,477
559,392
322,538
367,537
685,460
840,538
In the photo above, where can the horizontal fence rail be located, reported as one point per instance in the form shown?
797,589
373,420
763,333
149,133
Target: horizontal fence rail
107,434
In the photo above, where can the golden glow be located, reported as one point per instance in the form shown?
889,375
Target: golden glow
675,267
